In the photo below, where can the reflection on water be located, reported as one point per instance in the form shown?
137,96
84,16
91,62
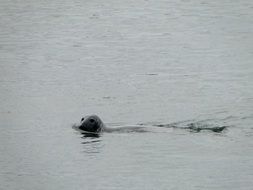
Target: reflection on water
91,141
92,144
91,148
90,135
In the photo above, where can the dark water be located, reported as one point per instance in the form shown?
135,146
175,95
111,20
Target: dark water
169,66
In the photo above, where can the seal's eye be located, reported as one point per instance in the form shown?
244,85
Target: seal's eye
82,119
92,120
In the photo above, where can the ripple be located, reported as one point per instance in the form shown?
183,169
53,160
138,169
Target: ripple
195,126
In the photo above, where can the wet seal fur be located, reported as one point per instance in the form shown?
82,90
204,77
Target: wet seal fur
91,124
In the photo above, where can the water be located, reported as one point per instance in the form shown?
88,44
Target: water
132,63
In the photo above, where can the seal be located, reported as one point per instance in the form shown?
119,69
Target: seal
91,123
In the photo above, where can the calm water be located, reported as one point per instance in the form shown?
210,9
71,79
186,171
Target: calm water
141,62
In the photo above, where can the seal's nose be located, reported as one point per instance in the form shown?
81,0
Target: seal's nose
82,119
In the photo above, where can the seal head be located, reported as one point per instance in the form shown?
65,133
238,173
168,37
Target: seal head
91,124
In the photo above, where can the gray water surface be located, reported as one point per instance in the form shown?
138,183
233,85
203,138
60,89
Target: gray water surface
155,64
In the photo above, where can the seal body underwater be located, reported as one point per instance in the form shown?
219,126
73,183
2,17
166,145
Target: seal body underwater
91,123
